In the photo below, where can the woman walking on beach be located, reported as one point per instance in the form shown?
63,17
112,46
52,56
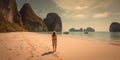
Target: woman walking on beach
54,41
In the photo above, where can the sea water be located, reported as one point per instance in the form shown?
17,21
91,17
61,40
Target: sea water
112,36
97,35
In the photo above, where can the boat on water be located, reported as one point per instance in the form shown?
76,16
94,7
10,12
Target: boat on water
85,32
66,32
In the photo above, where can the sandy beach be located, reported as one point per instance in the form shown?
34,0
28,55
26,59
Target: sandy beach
38,46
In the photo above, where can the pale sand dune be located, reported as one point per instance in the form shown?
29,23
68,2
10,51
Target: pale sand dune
35,46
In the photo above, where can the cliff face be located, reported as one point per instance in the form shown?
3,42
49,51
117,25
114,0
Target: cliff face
26,19
10,19
8,8
31,21
6,26
115,27
53,22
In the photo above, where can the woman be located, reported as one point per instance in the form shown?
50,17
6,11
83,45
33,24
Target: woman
54,41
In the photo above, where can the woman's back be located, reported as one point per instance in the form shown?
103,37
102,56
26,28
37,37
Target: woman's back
54,41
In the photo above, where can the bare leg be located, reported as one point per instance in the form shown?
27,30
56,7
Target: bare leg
55,47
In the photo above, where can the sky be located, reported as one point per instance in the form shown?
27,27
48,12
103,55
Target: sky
98,14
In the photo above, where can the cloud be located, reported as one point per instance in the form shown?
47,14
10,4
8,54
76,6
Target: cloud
81,8
73,16
80,16
82,4
116,13
101,15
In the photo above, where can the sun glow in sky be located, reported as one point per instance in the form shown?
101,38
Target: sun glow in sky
98,14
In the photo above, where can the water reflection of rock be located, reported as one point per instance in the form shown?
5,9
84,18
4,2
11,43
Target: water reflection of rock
115,35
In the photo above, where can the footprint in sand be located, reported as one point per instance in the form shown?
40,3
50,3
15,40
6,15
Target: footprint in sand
21,40
21,47
33,57
9,58
55,55
17,54
29,58
60,58
9,49
37,55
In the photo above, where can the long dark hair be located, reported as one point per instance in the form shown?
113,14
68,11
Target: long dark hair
54,33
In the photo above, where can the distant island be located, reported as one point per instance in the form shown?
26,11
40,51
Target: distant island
114,27
12,20
88,29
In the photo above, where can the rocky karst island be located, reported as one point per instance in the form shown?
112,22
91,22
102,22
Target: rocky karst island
12,20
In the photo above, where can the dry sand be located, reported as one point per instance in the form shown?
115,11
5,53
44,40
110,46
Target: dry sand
36,46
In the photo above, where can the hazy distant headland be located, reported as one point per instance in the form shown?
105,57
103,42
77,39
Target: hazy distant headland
88,29
12,20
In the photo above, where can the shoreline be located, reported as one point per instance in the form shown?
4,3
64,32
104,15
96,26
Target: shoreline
34,46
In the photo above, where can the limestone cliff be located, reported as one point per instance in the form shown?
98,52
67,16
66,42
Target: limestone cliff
115,27
6,26
31,21
53,22
8,8
10,19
